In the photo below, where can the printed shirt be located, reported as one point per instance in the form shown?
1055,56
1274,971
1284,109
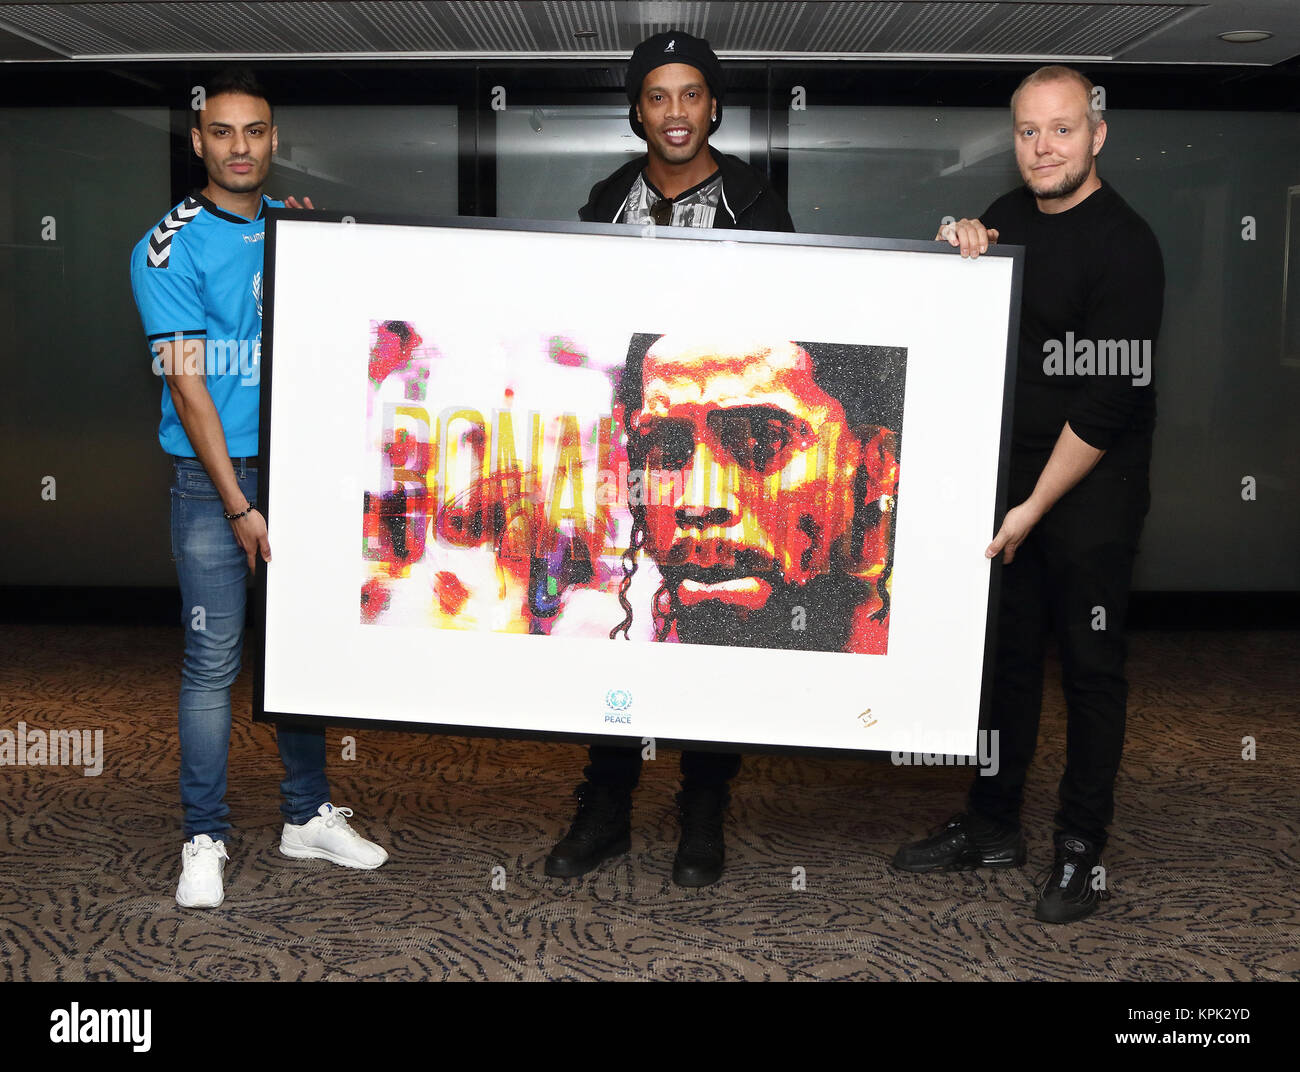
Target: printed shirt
198,274
695,207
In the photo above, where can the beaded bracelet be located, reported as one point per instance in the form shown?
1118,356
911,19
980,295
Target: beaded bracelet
235,517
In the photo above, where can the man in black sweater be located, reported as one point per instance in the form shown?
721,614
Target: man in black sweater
1081,446
674,88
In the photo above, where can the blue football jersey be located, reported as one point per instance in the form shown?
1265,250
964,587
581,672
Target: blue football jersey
198,275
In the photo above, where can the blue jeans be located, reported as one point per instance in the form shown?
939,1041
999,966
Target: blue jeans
213,573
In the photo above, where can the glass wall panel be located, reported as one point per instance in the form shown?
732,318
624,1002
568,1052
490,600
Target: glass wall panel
549,157
894,171
1215,187
400,160
80,185
83,481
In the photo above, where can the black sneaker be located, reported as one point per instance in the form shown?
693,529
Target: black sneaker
964,844
700,852
1069,891
601,828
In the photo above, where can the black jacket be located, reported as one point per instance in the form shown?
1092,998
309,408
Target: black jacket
747,203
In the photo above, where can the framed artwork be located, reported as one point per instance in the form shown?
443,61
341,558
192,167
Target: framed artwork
718,489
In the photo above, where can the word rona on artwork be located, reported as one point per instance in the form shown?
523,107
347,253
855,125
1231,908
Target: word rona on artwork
461,479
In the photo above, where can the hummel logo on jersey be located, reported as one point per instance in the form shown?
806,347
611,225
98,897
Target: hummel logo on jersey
160,240
671,46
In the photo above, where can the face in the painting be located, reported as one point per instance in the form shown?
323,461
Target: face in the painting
1055,150
235,140
675,108
747,478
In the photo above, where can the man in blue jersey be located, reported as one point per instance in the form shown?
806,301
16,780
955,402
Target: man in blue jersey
197,279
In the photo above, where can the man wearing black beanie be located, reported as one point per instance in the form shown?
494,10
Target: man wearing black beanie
674,86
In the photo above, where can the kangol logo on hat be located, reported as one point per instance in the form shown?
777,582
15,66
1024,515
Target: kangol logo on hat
680,47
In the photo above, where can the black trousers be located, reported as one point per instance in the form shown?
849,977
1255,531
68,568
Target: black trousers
1070,577
619,766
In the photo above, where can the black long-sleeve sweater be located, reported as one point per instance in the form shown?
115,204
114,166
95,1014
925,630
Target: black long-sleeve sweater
1093,280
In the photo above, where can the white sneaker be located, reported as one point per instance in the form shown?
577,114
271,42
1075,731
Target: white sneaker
328,837
201,864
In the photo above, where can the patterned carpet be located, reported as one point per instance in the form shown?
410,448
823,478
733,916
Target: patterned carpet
1202,864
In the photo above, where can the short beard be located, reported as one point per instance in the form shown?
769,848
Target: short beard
1068,185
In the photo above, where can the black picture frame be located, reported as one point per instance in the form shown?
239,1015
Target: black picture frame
274,215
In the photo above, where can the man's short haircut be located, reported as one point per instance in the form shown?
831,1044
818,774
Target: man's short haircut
1058,73
230,80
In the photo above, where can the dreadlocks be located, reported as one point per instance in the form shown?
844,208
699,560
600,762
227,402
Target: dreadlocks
628,395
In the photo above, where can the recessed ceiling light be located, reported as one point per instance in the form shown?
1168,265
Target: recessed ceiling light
1245,37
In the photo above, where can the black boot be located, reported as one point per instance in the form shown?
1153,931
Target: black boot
700,852
601,828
